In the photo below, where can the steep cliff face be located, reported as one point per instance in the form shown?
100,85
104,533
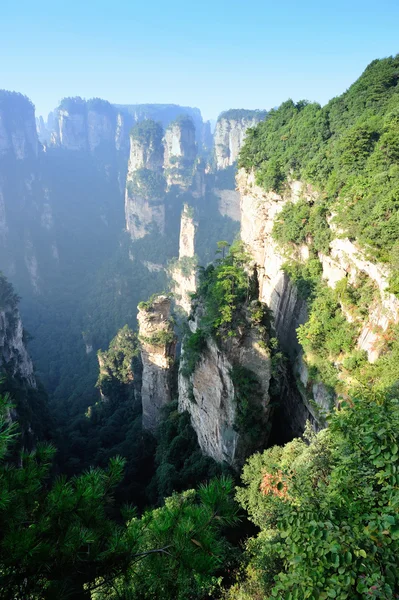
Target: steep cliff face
211,394
165,114
183,271
258,212
346,259
23,200
345,262
81,125
230,133
145,184
180,152
14,357
17,126
158,348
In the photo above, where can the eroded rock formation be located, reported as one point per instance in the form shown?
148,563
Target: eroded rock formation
183,271
345,259
230,134
14,357
211,394
145,184
180,152
158,349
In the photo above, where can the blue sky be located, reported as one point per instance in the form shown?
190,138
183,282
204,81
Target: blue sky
212,54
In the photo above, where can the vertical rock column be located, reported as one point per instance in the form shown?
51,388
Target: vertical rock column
183,273
145,183
158,351
180,152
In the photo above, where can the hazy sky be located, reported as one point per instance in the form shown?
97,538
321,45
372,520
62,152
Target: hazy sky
214,54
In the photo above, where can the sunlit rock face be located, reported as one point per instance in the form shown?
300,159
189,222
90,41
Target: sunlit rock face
345,259
259,210
230,134
209,395
183,271
158,350
145,184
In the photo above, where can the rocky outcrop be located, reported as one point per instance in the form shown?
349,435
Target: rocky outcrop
91,126
145,184
346,259
18,136
14,357
183,271
158,348
180,152
258,212
211,397
230,132
165,114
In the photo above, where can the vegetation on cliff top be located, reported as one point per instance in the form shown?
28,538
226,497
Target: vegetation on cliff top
348,149
238,114
148,132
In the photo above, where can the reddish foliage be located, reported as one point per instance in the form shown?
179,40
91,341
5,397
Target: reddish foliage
273,484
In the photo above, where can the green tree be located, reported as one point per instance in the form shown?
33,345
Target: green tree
58,540
328,510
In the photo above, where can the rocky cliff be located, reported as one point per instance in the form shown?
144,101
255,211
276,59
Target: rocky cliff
14,358
344,265
24,196
145,184
180,152
18,135
212,393
158,348
183,271
230,132
93,125
165,114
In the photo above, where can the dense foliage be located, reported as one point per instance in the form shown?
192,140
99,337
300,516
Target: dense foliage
327,507
224,286
16,109
348,149
60,541
238,114
147,183
179,462
148,133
